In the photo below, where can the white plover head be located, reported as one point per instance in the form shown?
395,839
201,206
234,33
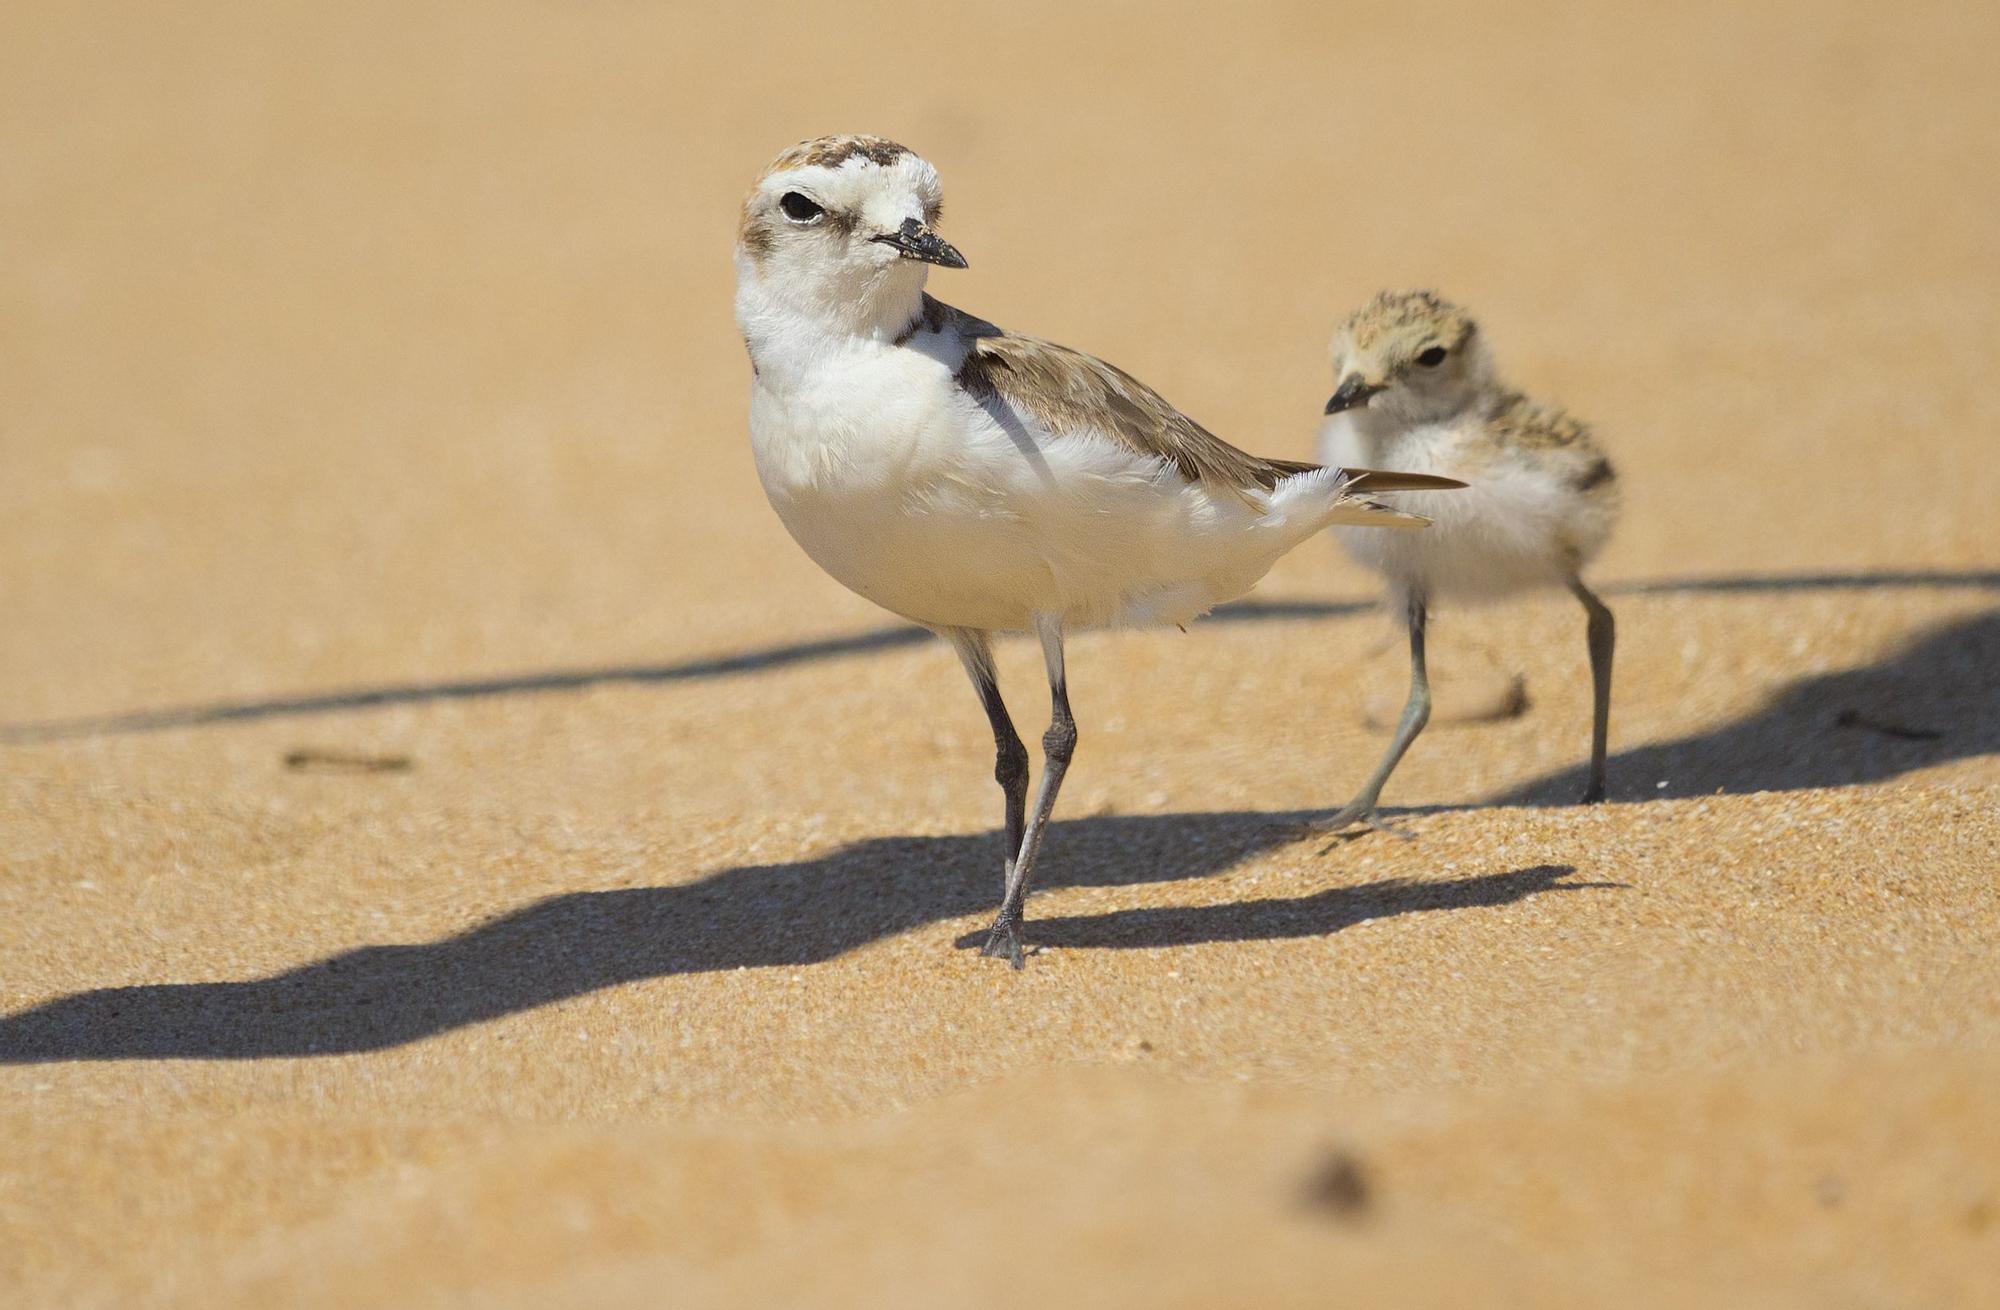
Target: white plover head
841,222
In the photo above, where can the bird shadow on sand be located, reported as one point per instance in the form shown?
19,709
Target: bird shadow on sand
1318,915
749,917
768,658
1933,700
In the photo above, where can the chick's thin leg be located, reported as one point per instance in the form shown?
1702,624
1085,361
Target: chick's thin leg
1603,634
1416,713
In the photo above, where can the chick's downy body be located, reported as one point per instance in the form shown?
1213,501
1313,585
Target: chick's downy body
1541,497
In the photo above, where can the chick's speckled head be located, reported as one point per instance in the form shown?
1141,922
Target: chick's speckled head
1409,354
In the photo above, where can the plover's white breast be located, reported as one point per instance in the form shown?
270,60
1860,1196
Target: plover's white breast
852,453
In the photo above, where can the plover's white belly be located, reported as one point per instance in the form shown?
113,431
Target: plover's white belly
940,565
936,511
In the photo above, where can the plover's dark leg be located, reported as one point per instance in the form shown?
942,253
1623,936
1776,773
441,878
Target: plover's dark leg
1010,757
1416,713
1058,745
1603,633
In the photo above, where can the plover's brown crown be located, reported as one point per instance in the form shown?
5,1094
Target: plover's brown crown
833,151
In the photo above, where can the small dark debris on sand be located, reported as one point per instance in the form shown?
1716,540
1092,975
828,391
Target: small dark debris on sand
1337,1188
317,761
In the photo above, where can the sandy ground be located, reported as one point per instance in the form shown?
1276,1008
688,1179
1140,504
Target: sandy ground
370,390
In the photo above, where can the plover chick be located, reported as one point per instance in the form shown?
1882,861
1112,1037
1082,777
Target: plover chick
976,481
1416,387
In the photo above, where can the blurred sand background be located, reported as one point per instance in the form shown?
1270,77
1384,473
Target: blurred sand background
368,386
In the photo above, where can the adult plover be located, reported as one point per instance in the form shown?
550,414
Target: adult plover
1416,387
976,481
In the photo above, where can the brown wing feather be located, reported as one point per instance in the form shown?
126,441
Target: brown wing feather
1068,392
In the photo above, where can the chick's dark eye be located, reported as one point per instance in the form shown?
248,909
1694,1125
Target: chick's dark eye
1432,358
798,208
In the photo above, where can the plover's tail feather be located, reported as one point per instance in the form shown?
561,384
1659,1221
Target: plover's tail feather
1384,480
1355,512
1325,496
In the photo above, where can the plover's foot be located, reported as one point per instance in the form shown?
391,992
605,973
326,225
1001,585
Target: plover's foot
1003,942
1592,795
1364,817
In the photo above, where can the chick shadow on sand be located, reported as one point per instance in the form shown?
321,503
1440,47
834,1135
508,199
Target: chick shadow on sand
749,917
1933,700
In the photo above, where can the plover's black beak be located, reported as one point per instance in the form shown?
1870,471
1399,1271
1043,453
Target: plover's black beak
916,241
1352,393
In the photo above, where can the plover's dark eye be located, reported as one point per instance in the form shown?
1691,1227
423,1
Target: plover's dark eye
798,208
1432,358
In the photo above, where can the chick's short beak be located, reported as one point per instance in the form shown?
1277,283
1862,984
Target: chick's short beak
916,241
1352,393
